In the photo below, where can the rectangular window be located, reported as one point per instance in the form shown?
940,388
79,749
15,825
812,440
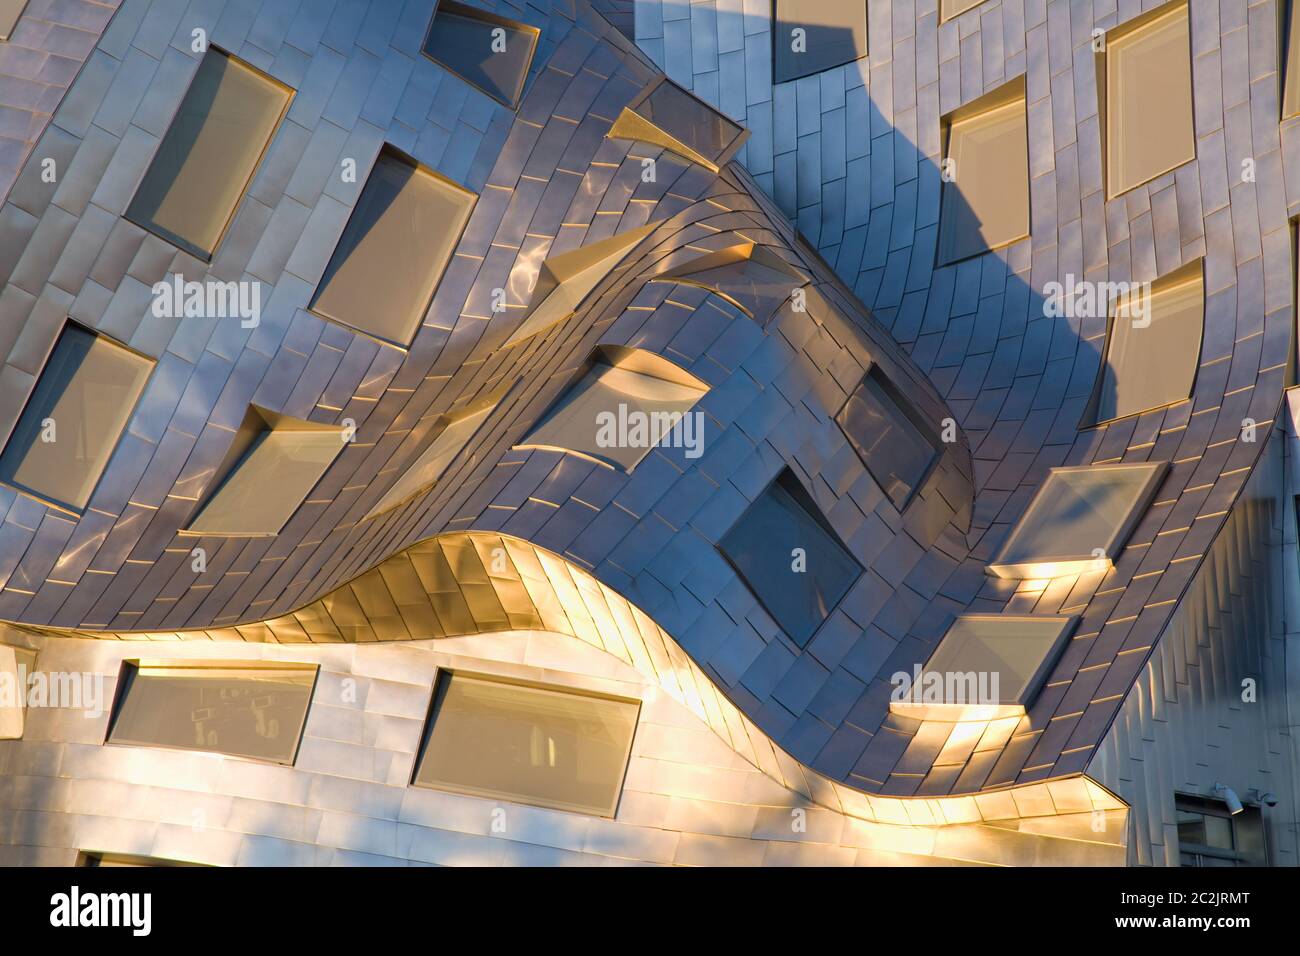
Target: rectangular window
547,746
125,859
1148,98
488,52
10,11
454,433
244,709
1210,835
209,154
393,251
1153,348
627,403
811,36
667,115
1078,520
985,202
789,558
282,461
888,436
77,412
987,666
16,665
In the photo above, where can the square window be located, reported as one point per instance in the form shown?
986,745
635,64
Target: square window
888,436
986,667
1148,97
542,745
488,52
667,115
209,154
985,202
10,11
255,710
77,412
629,401
392,254
277,462
1153,348
811,36
454,432
1078,521
789,558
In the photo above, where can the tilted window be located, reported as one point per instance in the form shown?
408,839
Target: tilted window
10,11
454,432
987,666
548,746
985,203
564,280
77,412
1148,87
629,401
889,436
811,36
1291,62
1078,521
277,460
397,244
244,709
488,52
789,558
667,115
209,154
1154,347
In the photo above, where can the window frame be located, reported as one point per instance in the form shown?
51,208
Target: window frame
1210,807
467,12
49,501
1101,64
177,241
632,125
444,672
120,694
911,416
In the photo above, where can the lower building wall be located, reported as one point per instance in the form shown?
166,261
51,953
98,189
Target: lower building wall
688,797
1211,704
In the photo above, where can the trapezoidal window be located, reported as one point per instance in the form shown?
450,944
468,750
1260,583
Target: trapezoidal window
10,11
1078,520
209,154
788,556
889,436
1148,98
627,402
810,36
254,710
666,115
488,52
542,745
77,412
393,251
453,432
273,464
1153,347
986,667
985,202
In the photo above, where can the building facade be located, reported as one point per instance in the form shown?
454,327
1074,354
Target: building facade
597,432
